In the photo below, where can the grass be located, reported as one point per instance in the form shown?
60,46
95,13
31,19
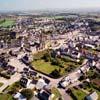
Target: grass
7,23
44,67
64,64
14,87
92,50
47,67
79,94
56,92
92,88
6,97
94,84
1,84
40,54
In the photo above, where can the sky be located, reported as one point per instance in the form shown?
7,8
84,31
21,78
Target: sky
11,5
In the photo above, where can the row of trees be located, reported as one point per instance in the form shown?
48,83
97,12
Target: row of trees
2,21
50,57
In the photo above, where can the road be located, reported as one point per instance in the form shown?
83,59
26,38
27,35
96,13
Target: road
8,82
19,65
54,83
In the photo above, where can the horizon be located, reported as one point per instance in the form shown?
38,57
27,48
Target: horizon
36,5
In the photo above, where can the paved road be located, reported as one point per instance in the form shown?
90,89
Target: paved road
6,82
54,83
17,76
18,65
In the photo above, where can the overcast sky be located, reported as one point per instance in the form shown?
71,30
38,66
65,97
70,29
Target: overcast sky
47,4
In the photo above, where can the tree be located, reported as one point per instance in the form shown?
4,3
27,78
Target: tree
55,73
28,93
47,56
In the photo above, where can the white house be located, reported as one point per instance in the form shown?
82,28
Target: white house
92,96
19,96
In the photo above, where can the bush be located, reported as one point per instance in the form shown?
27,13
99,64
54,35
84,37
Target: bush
72,95
13,88
47,56
54,62
55,73
28,93
5,76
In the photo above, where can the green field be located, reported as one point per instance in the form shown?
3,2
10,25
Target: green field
6,97
44,67
92,88
7,23
1,84
14,87
79,94
45,63
56,92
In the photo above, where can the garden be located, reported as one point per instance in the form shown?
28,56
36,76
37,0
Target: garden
55,66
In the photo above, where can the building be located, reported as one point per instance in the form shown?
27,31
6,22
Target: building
40,84
19,96
44,95
92,96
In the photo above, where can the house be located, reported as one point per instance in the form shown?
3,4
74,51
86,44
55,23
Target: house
84,69
76,54
92,96
90,46
10,70
98,65
32,73
46,80
44,95
34,98
74,76
23,82
64,84
41,84
19,96
25,59
71,78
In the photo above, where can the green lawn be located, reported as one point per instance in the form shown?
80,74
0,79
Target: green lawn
44,67
15,87
6,97
47,67
1,84
48,64
92,88
56,92
7,23
79,94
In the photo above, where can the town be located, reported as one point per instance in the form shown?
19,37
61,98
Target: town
49,57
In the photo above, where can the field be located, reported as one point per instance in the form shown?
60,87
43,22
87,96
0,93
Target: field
13,88
7,23
43,66
92,87
79,94
48,64
6,97
1,84
56,93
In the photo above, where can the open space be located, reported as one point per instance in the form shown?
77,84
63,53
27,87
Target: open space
56,92
6,97
44,67
79,94
7,23
1,84
45,63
